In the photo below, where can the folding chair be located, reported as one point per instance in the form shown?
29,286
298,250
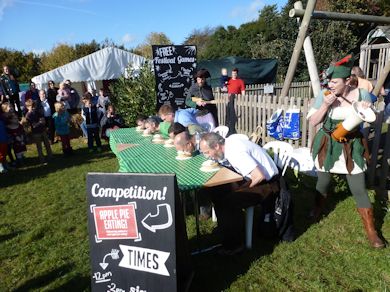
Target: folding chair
255,137
221,130
282,155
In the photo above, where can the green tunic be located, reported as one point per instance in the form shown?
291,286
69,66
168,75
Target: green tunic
332,156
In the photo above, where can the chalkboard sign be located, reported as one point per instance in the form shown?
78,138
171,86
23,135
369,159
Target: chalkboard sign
137,234
174,68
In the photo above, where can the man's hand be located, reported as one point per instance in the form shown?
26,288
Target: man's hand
200,103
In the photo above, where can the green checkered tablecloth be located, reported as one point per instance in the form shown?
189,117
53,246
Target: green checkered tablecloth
147,157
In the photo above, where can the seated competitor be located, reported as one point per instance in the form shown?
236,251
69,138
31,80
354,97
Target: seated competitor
186,117
174,129
154,124
260,186
186,142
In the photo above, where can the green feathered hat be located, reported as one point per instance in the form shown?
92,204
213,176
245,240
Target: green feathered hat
342,68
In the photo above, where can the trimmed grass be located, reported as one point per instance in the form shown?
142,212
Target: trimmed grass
44,238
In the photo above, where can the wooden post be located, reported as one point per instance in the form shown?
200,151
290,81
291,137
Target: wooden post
310,60
382,78
298,47
341,16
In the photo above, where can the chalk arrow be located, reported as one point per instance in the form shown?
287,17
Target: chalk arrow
104,265
114,254
153,222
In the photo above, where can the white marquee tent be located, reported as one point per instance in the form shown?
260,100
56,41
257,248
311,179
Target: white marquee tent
105,64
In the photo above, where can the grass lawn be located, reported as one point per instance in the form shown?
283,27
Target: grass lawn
44,240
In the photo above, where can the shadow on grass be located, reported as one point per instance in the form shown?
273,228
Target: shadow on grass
214,272
44,279
380,210
303,190
5,237
32,169
76,283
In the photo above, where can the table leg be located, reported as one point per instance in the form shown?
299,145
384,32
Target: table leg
196,214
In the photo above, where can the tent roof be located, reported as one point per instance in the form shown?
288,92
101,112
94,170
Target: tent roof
105,64
380,31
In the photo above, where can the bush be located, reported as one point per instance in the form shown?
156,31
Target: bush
135,95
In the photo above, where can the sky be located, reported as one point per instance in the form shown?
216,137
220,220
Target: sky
39,25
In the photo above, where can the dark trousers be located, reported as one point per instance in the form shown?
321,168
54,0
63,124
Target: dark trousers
50,128
231,117
15,103
93,133
229,206
65,141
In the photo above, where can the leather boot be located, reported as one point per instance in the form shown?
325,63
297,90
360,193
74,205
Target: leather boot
367,215
319,203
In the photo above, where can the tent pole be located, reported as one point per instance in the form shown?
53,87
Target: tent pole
298,47
310,60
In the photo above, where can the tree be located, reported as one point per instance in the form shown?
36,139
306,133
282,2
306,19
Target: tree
59,55
154,38
135,95
201,39
24,66
83,49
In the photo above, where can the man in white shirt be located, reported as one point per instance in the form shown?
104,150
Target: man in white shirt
261,183
47,113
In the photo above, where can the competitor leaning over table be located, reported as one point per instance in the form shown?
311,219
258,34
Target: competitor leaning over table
186,117
201,89
331,107
260,185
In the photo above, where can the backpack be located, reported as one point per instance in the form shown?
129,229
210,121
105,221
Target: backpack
283,213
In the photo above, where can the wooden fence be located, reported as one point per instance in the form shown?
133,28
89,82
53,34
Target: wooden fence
255,110
301,89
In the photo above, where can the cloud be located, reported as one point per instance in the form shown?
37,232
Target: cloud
248,13
128,38
55,6
3,5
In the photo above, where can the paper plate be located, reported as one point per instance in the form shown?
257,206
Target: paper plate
207,169
158,141
183,158
208,162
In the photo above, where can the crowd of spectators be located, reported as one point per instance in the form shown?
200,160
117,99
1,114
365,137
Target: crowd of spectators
44,117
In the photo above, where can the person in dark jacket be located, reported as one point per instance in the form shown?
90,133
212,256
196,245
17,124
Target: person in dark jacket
111,121
204,91
10,88
51,95
92,116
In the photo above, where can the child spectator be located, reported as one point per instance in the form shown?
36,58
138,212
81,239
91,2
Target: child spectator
103,101
92,116
16,135
223,80
61,123
63,94
111,121
38,129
